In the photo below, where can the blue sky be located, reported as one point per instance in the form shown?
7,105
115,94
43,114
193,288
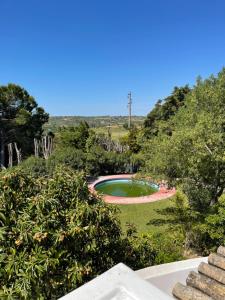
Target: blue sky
82,57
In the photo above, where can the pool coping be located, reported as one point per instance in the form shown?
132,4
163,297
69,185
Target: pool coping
163,192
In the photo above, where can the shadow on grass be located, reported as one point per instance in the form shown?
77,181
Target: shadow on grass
167,218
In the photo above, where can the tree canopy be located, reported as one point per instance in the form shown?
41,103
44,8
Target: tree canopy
194,154
21,119
74,136
164,110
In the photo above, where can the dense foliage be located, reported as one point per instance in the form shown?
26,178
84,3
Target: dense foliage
194,155
55,235
74,136
21,120
192,158
164,110
97,154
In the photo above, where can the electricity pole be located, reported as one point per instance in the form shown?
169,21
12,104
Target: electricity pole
109,129
129,109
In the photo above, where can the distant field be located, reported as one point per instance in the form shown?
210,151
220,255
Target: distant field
94,122
99,124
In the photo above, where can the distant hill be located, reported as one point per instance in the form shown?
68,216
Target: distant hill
94,122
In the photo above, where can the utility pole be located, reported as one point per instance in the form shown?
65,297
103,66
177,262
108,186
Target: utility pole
109,129
129,109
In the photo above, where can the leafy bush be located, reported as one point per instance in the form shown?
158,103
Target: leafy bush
203,232
168,247
101,162
131,140
74,136
96,162
55,235
210,233
69,156
34,166
215,223
139,252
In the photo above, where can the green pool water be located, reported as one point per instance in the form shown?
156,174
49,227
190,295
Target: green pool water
126,188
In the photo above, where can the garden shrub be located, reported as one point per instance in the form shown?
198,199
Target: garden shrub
69,156
139,251
35,166
55,235
75,137
168,247
38,166
205,231
101,162
210,233
215,223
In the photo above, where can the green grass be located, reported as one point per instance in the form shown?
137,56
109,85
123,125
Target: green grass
141,214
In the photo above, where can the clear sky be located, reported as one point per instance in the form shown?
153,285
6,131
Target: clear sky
82,57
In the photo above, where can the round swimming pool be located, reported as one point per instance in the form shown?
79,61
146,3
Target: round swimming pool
122,187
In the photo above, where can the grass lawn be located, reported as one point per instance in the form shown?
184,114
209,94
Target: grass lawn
141,214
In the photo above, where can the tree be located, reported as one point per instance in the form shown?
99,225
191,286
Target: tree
74,136
21,119
164,110
214,227
131,140
194,155
105,156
